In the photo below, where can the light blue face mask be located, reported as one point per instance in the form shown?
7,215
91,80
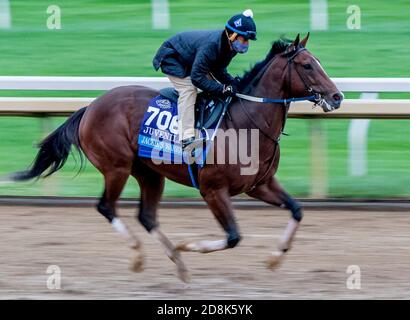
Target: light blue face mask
239,46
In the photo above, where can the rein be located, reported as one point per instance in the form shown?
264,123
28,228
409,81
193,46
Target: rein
312,97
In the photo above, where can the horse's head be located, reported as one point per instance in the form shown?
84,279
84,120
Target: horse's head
306,76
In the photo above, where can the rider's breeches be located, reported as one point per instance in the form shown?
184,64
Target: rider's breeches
186,105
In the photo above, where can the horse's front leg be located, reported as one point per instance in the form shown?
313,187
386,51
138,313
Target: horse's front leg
272,193
219,202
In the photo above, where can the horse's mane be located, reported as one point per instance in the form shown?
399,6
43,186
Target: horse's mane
278,46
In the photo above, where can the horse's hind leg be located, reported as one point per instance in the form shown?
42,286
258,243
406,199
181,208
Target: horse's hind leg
271,192
114,184
152,186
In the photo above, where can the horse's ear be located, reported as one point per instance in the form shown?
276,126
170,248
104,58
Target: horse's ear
295,43
305,40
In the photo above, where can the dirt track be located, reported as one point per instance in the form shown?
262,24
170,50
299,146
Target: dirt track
94,260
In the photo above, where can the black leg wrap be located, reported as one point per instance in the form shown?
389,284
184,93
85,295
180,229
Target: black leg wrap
233,240
105,211
146,221
295,208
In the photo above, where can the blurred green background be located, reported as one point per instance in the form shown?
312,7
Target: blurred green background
115,38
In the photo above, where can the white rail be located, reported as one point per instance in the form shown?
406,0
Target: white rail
106,83
351,108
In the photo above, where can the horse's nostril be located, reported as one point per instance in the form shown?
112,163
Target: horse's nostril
337,97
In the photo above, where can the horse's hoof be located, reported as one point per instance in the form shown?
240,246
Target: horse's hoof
137,263
275,260
182,270
183,274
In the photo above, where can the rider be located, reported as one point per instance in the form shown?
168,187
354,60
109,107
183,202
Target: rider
198,59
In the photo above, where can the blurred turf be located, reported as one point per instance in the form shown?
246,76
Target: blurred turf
115,38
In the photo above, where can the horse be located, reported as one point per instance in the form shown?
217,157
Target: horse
106,133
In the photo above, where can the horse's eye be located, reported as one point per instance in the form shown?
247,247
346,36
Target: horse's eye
307,66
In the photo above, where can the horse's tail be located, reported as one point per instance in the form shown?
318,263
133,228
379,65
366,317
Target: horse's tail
54,150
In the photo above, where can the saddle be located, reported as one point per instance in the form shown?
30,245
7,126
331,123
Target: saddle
158,133
208,109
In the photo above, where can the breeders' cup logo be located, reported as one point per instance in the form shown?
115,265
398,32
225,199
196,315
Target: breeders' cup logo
164,104
238,22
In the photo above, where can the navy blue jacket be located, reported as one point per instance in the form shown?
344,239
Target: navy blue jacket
196,54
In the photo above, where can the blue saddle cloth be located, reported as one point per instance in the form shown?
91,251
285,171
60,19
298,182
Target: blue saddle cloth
159,139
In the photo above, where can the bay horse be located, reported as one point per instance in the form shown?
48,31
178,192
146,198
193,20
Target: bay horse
107,133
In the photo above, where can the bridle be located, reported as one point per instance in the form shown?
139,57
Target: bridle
315,96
